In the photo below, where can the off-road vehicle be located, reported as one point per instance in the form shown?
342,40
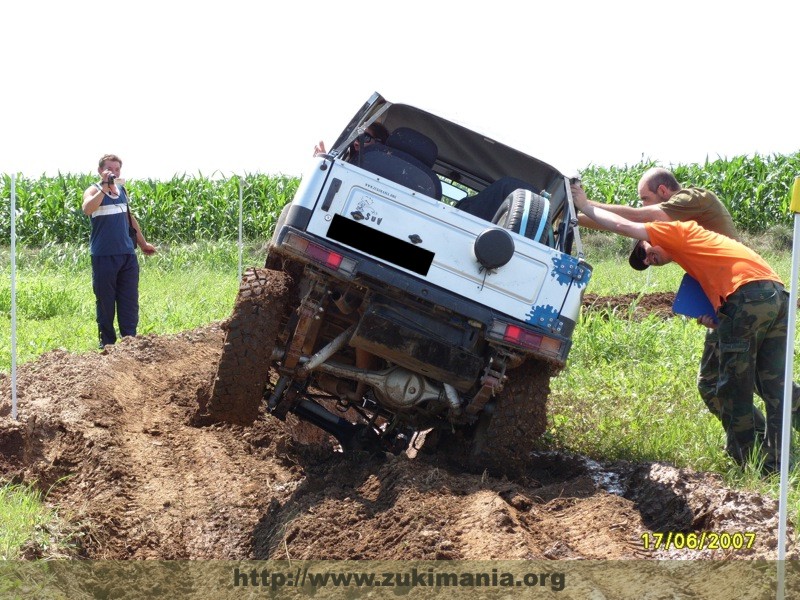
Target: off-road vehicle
425,284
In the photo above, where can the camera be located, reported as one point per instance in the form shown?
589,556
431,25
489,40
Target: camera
110,180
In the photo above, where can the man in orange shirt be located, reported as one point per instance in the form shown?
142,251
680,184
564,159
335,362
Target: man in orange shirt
664,199
752,312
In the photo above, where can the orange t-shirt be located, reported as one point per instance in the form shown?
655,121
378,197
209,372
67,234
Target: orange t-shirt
721,265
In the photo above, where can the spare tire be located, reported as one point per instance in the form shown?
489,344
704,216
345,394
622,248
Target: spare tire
526,213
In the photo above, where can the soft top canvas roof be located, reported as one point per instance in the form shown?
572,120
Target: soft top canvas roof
464,155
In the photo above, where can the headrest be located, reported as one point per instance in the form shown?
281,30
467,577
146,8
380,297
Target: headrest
414,143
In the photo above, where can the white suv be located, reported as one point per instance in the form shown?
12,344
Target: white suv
424,284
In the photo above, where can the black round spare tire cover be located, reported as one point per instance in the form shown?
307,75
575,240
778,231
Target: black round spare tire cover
494,248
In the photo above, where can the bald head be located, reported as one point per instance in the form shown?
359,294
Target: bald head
656,177
657,185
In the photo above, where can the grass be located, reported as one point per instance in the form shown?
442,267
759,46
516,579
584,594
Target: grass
27,522
181,287
629,390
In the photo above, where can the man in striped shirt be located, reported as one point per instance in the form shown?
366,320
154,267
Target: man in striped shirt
115,235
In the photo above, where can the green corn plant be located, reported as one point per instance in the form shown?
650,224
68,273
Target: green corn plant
191,208
755,189
184,209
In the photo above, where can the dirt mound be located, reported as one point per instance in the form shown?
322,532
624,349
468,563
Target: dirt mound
114,440
637,306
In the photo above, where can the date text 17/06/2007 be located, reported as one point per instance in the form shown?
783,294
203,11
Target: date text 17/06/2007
704,540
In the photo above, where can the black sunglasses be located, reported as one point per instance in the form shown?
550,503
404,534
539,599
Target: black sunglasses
369,137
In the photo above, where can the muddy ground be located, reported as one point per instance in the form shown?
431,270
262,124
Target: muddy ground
114,440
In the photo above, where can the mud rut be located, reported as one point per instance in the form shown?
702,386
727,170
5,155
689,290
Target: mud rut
115,440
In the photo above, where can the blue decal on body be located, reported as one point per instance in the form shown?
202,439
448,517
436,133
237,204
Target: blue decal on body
567,269
545,317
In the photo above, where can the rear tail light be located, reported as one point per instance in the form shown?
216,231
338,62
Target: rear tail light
320,255
527,339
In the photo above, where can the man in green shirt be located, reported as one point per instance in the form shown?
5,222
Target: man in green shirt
664,199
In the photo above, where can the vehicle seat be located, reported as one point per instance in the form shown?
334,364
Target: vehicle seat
487,202
407,158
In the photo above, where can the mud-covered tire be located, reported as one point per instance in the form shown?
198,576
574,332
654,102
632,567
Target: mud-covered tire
501,442
504,444
250,336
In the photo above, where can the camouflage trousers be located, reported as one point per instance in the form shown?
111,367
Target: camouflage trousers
707,386
746,354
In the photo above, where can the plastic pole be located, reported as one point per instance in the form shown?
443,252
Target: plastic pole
13,297
241,198
786,430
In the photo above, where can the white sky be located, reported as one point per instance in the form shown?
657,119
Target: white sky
240,87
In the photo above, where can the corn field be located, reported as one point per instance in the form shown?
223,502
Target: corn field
188,209
755,189
182,210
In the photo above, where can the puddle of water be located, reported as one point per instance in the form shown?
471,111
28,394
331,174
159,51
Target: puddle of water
607,480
